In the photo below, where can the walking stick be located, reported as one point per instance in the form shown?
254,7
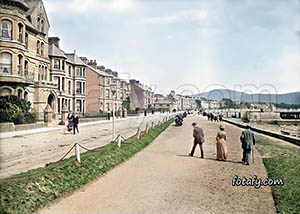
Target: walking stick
253,154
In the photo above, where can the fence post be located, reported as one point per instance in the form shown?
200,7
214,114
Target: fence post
146,130
152,126
119,141
77,152
138,133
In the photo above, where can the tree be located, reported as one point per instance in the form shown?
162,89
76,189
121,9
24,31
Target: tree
126,103
198,103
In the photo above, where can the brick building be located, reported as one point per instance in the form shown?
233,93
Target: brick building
141,95
101,83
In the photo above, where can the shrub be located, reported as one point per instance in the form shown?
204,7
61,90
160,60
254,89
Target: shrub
16,110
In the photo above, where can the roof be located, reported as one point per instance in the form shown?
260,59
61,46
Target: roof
55,51
74,59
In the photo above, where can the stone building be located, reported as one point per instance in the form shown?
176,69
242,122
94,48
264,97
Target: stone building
24,61
105,90
141,95
68,71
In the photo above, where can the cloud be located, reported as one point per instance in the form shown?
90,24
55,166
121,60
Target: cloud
183,16
85,6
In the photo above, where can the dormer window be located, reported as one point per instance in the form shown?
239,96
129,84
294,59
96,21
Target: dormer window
6,29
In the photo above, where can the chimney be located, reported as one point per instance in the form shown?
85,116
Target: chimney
115,73
109,71
101,68
93,63
84,59
54,40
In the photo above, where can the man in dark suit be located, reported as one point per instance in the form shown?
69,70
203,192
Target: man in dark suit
198,139
248,141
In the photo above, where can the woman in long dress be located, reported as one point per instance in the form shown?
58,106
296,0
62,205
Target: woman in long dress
221,144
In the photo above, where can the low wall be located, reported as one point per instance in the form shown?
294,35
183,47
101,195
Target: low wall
269,133
10,127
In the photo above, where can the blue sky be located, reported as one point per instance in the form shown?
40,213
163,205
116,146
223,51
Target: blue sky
189,46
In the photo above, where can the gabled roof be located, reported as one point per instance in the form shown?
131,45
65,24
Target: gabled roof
55,51
33,5
74,59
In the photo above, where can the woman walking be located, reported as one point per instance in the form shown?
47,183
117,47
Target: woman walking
221,144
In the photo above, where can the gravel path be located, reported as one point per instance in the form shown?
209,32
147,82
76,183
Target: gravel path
162,179
24,152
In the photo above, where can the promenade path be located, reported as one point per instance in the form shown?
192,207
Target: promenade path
24,150
163,179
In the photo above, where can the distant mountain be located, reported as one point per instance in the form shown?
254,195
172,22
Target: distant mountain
219,94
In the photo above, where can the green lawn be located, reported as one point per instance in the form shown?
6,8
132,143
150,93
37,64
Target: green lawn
283,162
39,187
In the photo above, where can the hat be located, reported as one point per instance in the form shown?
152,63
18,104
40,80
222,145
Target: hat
194,124
222,126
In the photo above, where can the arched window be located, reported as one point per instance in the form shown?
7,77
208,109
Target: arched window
26,68
38,47
26,40
38,23
6,29
42,49
43,72
20,93
5,63
26,95
46,73
42,25
20,65
20,35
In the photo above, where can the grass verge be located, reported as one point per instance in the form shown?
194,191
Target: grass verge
38,187
282,162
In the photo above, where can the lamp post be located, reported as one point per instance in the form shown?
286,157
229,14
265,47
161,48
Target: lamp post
114,91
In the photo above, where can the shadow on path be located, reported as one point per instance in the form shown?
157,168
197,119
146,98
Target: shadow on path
212,159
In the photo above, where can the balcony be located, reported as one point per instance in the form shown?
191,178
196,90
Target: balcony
27,79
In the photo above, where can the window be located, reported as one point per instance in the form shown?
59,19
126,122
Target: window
78,87
63,84
26,40
42,49
121,96
63,65
20,38
38,44
20,93
83,72
83,87
70,70
20,65
78,105
38,23
107,106
26,68
57,81
69,105
78,72
46,73
83,106
56,64
5,63
107,93
121,86
107,81
6,29
69,87
42,25
58,105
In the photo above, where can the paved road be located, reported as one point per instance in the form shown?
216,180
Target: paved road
162,179
24,152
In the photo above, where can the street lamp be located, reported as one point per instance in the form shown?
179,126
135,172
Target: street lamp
114,91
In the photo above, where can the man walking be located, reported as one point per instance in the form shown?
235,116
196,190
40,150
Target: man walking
198,139
248,140
75,126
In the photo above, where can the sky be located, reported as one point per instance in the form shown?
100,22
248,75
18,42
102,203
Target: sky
189,46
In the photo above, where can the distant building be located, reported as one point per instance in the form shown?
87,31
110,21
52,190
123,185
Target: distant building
141,95
101,83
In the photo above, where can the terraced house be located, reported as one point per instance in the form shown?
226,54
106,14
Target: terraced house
69,73
24,60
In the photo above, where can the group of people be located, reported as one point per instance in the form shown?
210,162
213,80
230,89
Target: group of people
214,117
73,121
247,140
